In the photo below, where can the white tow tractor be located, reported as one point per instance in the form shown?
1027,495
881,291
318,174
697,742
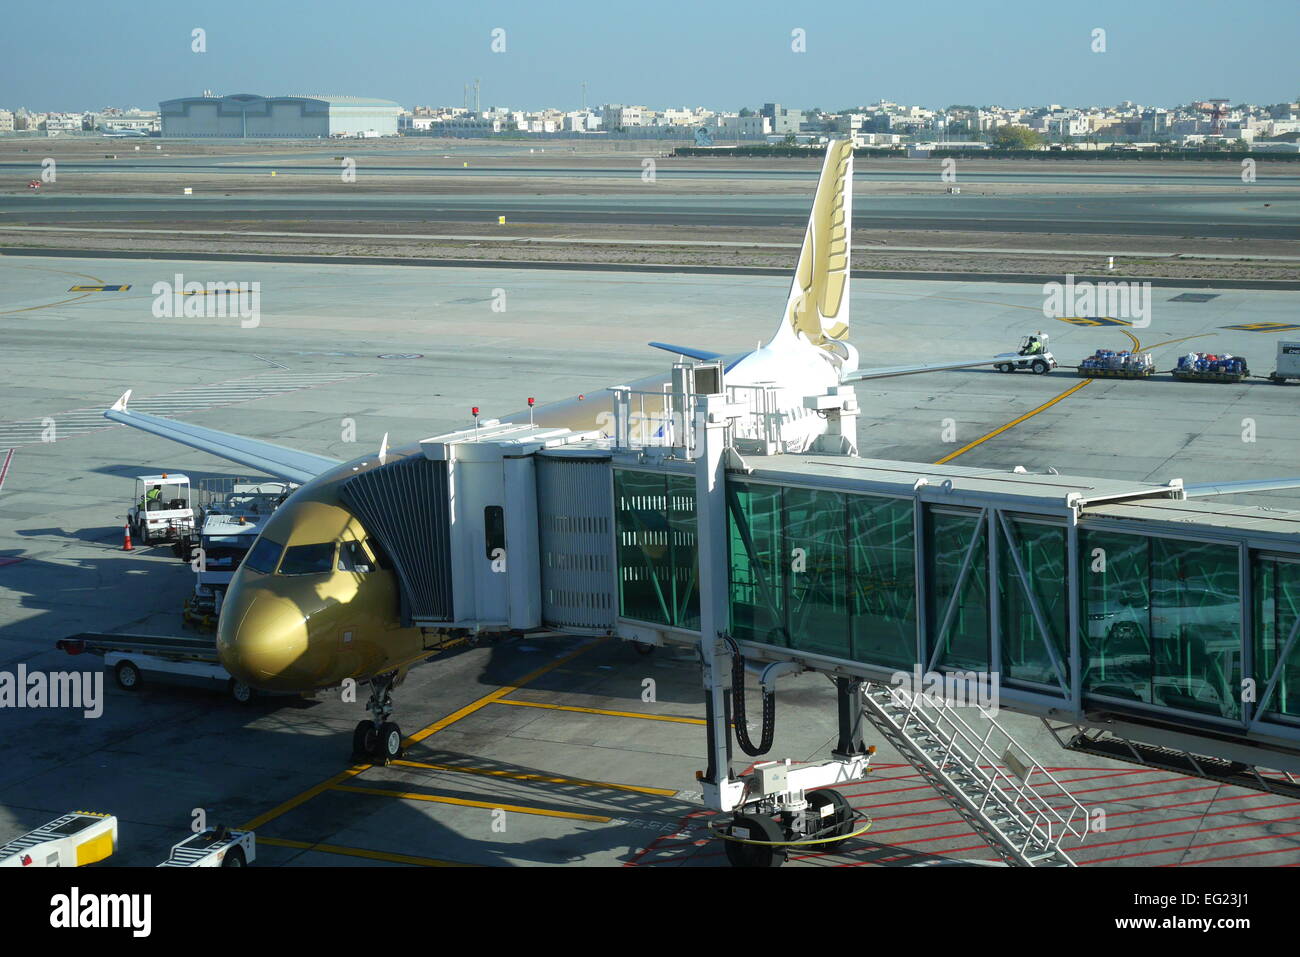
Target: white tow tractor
162,509
1033,355
73,840
215,847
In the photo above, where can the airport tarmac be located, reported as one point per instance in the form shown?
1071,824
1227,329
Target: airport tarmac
551,729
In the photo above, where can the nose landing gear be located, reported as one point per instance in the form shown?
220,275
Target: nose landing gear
378,739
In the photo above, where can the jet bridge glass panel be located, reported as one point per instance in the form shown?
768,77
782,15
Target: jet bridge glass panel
658,557
957,554
1162,622
1276,616
882,586
817,583
757,577
823,572
1033,597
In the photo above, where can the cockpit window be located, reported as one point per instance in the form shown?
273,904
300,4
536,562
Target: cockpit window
308,559
353,558
264,556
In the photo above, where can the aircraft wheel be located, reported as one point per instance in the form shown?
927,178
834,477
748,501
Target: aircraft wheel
364,739
389,746
127,675
840,818
1039,367
755,827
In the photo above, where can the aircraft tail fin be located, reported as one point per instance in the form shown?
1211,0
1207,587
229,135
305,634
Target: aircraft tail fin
818,305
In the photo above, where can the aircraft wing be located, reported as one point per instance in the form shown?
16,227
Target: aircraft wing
886,371
276,460
703,355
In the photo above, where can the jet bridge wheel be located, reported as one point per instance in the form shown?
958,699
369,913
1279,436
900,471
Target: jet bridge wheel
755,827
839,820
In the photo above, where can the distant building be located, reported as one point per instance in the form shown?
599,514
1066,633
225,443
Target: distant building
6,121
247,115
63,123
734,126
616,116
136,121
781,120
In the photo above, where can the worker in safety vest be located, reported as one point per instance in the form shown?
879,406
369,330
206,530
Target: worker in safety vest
1033,346
153,495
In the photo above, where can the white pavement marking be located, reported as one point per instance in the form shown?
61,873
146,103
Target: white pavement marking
196,399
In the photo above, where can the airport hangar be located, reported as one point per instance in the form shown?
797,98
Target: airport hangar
248,115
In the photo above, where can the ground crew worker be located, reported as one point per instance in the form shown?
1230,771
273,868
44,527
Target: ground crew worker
153,495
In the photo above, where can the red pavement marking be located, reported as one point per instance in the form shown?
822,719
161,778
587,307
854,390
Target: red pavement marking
666,843
1229,857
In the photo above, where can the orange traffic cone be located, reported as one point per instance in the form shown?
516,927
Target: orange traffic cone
126,544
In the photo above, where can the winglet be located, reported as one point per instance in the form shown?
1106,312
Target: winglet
120,404
383,449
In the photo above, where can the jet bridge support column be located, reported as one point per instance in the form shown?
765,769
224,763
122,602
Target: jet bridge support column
848,693
710,423
779,806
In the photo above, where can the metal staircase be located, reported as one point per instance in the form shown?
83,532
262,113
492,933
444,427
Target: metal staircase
1109,744
986,777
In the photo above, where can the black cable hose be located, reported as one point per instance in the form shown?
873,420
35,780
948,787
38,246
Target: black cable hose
738,708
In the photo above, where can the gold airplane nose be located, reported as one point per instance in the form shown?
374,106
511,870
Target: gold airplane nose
262,640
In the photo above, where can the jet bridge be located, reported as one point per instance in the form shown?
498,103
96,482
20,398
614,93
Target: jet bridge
1139,623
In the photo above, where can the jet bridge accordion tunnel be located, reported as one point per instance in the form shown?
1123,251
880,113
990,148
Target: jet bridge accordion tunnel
502,528
1090,601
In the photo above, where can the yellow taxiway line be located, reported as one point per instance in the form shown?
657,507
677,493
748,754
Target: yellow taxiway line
615,714
302,798
541,778
466,802
1014,422
358,852
499,694
298,799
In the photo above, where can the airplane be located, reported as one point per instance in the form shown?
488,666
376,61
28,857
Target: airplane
121,134
316,573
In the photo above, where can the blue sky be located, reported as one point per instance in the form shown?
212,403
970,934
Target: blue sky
78,54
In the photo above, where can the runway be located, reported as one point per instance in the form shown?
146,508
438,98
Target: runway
310,164
1253,215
